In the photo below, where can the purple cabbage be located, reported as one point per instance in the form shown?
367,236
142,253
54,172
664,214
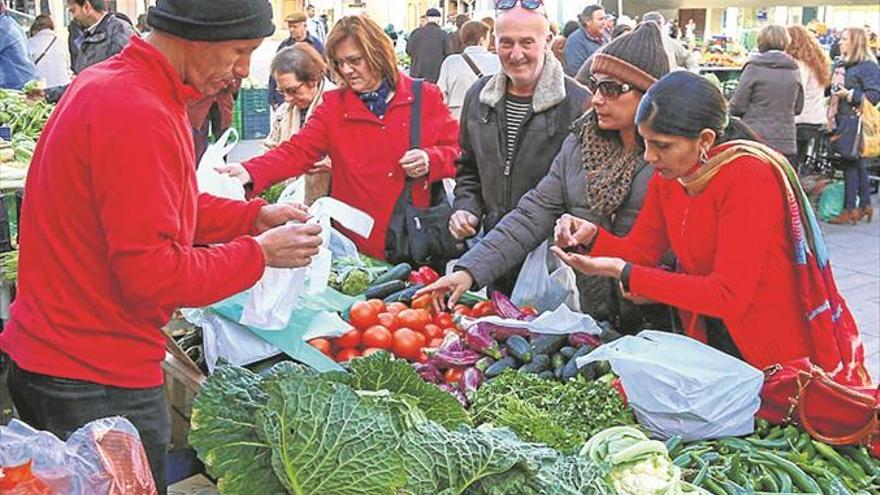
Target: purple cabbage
505,308
429,373
470,381
579,339
480,339
444,359
455,392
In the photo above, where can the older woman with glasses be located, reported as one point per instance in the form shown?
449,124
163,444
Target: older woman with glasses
599,174
300,75
363,128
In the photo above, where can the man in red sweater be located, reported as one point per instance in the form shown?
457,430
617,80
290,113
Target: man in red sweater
114,232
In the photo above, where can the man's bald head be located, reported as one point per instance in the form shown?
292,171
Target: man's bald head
518,14
522,39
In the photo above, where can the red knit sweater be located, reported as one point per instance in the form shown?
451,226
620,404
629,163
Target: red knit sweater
735,259
110,216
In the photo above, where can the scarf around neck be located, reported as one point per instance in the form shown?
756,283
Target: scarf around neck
609,167
377,101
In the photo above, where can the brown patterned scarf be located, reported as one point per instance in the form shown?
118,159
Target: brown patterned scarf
610,168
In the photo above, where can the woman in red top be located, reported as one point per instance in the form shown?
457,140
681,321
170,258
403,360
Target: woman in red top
724,208
364,128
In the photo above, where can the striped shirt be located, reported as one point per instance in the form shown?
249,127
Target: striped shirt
516,108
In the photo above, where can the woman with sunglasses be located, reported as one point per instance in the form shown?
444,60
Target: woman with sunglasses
741,227
602,156
363,128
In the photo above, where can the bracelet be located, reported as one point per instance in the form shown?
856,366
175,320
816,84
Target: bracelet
625,275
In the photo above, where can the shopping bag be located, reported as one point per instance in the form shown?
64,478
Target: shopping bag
536,286
679,386
831,201
209,179
870,129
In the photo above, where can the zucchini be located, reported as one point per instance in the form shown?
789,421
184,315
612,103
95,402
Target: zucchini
548,344
570,370
546,375
538,364
381,291
519,348
501,366
567,351
405,296
558,360
469,299
397,272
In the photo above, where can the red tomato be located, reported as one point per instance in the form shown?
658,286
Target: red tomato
444,320
461,309
435,343
389,321
377,336
425,318
371,350
407,343
529,310
423,302
347,355
482,308
349,340
322,345
396,307
432,331
422,340
362,315
377,304
453,375
411,318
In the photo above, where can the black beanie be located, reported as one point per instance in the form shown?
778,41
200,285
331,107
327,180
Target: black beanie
213,20
636,58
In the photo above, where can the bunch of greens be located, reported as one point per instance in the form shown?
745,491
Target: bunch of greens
352,276
562,415
25,117
9,265
376,430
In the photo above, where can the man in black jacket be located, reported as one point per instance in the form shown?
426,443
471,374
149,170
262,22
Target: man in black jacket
428,46
512,126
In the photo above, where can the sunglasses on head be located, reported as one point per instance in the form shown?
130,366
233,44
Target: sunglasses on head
526,4
609,89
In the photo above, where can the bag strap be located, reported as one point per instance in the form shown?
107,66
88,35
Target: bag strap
806,379
37,61
467,58
415,133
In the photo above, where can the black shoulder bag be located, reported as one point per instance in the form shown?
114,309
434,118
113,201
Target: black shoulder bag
415,235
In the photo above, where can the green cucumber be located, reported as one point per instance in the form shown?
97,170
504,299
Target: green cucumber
538,364
548,344
383,290
405,296
469,299
501,366
519,348
397,272
570,370
546,375
568,351
558,361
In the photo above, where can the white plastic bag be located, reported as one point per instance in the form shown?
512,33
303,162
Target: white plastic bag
536,286
226,339
271,301
209,179
680,386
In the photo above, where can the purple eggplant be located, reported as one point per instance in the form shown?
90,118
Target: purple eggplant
470,381
501,333
505,308
484,363
480,339
429,373
580,338
455,392
452,343
444,359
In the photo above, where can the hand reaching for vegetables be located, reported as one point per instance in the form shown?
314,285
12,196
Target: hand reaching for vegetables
237,171
415,163
591,265
290,246
463,225
278,214
571,232
457,283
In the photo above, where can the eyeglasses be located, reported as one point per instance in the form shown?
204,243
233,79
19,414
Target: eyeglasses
526,4
352,61
609,89
291,91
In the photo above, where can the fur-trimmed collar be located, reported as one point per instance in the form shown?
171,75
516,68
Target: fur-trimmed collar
549,92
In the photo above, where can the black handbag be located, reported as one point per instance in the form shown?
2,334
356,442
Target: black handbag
420,236
847,139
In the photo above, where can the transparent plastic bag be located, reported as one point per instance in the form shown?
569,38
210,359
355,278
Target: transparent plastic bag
103,457
680,386
542,289
209,179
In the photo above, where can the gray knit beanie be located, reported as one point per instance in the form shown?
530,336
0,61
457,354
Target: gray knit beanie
213,20
636,58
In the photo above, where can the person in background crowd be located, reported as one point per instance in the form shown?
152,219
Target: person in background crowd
586,40
428,46
721,203
142,26
211,115
302,78
48,52
460,71
680,58
557,48
599,174
770,93
16,67
620,30
570,28
609,26
423,21
690,32
391,32
815,70
675,30
359,128
115,237
103,36
296,24
490,21
316,26
873,40
512,125
856,79
454,39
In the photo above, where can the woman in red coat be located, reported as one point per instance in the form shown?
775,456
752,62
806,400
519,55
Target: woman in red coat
747,244
364,128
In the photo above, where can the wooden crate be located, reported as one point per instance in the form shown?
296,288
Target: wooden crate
183,380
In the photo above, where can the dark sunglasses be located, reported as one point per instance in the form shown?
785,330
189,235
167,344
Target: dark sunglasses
526,4
609,89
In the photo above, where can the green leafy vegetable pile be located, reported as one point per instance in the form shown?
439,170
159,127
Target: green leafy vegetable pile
9,265
376,430
561,415
26,118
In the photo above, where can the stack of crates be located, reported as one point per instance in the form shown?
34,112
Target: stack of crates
254,106
236,116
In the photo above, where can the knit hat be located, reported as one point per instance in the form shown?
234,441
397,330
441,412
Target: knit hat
213,20
637,58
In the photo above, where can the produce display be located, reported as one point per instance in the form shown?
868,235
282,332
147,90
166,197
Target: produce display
25,117
9,265
778,460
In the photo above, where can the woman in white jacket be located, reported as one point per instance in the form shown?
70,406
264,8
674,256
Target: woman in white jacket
301,74
49,53
460,71
815,69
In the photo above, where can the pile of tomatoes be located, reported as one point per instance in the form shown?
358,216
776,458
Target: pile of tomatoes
395,327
